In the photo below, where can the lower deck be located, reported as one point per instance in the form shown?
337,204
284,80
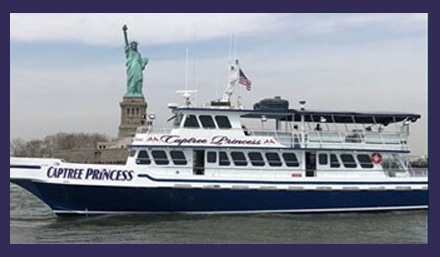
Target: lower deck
278,164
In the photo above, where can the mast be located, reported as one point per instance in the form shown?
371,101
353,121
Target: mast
232,83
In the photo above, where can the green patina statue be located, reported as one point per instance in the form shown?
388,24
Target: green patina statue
135,66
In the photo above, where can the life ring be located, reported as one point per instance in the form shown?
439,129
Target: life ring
376,158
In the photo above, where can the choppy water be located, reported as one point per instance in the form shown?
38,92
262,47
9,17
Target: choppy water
32,222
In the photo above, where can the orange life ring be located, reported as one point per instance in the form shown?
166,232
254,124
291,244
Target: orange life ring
376,158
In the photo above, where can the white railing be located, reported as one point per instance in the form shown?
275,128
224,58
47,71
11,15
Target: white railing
330,139
418,172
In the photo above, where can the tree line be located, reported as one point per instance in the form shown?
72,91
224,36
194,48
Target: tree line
45,148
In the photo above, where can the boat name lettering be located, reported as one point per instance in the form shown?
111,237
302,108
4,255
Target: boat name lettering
221,140
170,139
216,140
90,174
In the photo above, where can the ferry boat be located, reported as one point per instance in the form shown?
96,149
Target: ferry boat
211,161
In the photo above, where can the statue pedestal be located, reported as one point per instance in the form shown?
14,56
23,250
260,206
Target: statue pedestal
133,115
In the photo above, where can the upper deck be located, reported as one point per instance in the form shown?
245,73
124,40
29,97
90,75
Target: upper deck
289,128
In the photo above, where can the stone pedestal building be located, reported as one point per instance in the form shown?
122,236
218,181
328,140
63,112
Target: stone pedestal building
133,115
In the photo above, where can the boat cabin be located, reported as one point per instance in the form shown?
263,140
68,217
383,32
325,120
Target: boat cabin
276,142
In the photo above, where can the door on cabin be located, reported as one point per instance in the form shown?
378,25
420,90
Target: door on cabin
199,162
310,164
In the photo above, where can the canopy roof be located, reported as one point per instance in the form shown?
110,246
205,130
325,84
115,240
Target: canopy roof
384,118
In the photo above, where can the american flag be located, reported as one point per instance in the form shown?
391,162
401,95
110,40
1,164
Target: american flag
245,81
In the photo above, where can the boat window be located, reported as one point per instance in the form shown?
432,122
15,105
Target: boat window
256,159
178,157
191,122
160,157
177,120
239,159
365,161
290,160
334,162
348,161
274,159
323,159
143,158
132,153
212,157
207,121
223,122
224,160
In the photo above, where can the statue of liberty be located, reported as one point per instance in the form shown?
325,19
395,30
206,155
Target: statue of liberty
135,65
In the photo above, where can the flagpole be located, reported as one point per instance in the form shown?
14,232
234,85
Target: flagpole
186,68
237,81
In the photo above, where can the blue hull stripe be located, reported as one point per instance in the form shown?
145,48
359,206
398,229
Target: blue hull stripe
31,167
70,198
278,182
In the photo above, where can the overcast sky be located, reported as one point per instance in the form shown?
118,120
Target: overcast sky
68,70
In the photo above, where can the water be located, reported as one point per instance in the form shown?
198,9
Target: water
31,222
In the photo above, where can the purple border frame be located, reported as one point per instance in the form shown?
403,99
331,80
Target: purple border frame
239,6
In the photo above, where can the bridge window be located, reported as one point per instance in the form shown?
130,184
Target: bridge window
207,121
160,157
223,122
177,120
290,160
178,157
223,159
348,161
191,122
365,161
239,159
334,162
274,159
143,158
256,159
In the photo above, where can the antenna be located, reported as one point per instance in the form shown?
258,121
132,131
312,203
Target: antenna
187,96
186,68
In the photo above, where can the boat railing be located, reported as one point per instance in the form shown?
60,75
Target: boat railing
335,139
418,172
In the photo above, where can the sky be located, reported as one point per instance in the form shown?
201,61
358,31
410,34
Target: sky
67,71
